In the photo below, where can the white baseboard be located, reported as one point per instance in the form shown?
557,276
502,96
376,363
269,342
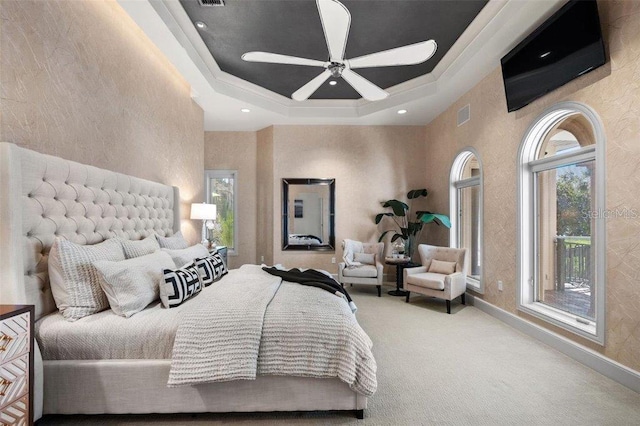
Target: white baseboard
592,359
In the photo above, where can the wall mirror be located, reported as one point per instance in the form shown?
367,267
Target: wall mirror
308,214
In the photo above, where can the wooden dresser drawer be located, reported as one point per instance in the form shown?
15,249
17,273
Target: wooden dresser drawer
16,414
14,379
14,336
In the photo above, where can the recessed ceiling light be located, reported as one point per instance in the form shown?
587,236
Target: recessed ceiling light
545,54
333,82
201,25
245,110
402,111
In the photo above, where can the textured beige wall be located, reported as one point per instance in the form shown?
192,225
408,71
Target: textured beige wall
497,135
79,80
265,211
370,164
237,151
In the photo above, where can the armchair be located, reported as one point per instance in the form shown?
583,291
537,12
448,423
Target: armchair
445,279
367,274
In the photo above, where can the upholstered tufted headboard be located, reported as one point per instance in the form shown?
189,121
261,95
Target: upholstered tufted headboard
44,196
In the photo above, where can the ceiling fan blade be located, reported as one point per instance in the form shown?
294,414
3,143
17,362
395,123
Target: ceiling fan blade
275,58
336,21
303,93
411,54
367,89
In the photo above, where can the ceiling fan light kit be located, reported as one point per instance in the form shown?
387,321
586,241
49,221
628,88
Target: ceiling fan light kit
336,21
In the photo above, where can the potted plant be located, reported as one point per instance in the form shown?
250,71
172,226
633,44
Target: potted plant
406,228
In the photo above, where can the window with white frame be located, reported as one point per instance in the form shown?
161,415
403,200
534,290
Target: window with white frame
561,241
221,190
466,213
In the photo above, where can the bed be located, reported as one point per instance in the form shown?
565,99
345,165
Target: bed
304,240
45,196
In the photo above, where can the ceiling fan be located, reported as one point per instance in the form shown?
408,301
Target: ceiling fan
336,21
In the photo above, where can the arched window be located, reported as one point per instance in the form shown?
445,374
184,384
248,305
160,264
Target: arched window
561,208
466,213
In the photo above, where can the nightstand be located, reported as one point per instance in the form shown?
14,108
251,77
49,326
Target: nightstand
16,364
223,253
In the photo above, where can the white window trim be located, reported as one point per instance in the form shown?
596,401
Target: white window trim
456,183
208,174
527,239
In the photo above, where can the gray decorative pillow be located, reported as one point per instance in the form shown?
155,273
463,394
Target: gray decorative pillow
174,242
75,282
365,258
184,256
140,248
180,285
130,285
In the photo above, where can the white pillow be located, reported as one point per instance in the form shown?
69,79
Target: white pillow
130,285
442,267
75,282
183,256
365,258
174,242
140,247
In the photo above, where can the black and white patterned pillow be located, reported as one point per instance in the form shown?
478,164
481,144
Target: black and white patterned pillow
211,268
180,285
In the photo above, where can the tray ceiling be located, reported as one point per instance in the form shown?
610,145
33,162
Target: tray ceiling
293,27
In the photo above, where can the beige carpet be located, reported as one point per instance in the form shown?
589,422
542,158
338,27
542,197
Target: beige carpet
466,368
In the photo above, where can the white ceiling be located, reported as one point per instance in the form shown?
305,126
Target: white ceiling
495,31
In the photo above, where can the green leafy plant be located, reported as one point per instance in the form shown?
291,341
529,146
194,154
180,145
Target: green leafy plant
407,227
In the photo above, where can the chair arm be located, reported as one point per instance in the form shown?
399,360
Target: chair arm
412,271
457,284
416,270
341,267
380,272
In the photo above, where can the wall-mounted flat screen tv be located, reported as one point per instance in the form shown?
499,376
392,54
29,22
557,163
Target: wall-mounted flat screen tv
566,46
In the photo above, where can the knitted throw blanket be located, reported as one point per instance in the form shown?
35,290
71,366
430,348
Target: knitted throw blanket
219,339
304,331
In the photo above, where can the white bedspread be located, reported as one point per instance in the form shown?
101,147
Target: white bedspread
306,332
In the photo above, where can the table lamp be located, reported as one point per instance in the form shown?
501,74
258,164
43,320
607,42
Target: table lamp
206,213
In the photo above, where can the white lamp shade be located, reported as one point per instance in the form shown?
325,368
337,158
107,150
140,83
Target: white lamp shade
203,211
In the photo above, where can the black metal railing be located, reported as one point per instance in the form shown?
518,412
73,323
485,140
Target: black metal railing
573,261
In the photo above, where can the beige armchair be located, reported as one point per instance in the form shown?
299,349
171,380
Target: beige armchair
441,275
367,274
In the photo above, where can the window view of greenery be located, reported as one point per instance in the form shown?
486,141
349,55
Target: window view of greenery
565,222
223,197
468,231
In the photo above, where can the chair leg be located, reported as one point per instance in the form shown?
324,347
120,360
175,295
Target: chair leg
407,298
448,306
462,298
379,290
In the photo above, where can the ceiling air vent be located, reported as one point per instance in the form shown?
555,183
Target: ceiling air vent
210,3
464,114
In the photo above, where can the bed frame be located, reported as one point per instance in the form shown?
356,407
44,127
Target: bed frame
44,196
